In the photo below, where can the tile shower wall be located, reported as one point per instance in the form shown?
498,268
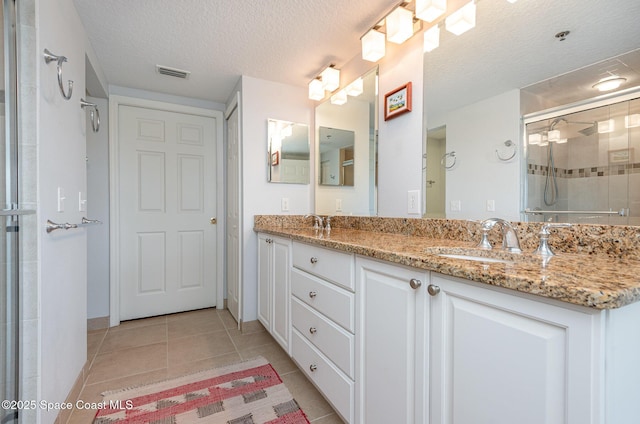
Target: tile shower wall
596,172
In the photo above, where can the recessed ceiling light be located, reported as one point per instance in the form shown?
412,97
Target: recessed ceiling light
609,83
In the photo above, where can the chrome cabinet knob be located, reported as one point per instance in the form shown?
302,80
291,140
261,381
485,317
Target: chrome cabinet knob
313,367
312,294
314,260
414,283
433,289
312,330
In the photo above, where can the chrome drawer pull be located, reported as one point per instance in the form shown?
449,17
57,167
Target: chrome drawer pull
314,260
313,367
312,294
312,330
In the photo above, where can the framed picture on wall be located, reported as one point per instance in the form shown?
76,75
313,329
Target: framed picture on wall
397,102
275,158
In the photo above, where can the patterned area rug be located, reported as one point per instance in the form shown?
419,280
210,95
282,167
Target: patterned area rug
245,393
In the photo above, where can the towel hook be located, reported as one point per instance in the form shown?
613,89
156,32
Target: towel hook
508,144
443,160
94,114
50,57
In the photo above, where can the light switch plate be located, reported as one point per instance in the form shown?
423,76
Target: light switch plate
285,204
491,205
61,199
338,205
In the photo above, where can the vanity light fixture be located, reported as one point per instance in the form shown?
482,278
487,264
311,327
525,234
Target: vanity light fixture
399,25
562,140
316,92
355,88
462,20
373,46
553,136
607,126
535,138
339,98
330,78
609,83
512,1
430,10
632,121
431,38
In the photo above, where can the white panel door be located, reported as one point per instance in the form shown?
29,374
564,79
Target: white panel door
234,257
167,189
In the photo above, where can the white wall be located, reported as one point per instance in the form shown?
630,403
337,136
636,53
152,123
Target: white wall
474,132
98,208
260,101
61,163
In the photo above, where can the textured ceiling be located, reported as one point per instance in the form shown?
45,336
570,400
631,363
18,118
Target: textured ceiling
287,41
514,45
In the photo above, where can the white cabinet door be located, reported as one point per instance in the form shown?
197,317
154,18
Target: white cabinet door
274,287
280,299
391,335
499,358
265,276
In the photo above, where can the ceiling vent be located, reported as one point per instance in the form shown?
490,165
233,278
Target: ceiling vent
172,72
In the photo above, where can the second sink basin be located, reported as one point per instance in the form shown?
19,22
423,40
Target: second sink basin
477,255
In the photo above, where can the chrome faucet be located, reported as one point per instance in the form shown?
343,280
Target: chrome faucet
510,240
318,223
544,249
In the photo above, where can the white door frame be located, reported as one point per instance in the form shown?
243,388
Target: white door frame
114,198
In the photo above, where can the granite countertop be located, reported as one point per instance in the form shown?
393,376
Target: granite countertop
600,282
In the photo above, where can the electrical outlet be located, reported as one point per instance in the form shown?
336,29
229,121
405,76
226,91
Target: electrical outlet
285,204
338,205
455,206
413,202
61,199
491,205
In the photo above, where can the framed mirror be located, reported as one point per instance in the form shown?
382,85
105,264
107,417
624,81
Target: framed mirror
346,180
288,152
475,98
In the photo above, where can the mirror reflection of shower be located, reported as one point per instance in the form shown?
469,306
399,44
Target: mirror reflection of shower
581,166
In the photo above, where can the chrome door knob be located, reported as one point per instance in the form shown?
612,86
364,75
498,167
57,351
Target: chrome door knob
313,367
415,283
312,330
433,289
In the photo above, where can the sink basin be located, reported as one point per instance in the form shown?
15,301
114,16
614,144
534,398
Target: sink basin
475,258
477,255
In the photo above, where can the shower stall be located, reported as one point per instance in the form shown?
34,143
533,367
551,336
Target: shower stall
583,166
10,219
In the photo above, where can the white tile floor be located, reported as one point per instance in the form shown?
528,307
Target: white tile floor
152,349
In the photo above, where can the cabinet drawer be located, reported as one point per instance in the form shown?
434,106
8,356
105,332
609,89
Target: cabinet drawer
335,386
337,344
337,267
326,298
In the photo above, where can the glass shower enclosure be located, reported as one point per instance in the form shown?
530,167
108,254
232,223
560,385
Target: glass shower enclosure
9,217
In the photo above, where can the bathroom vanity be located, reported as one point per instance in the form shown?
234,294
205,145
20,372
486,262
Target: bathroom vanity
392,330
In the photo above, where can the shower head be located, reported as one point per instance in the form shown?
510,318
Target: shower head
590,130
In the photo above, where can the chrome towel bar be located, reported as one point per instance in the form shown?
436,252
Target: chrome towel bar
52,226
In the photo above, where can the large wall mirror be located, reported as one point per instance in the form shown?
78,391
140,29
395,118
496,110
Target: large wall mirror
347,152
288,153
477,89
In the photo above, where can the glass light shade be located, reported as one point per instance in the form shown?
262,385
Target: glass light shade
330,78
535,138
355,88
609,83
316,92
562,141
632,121
431,38
430,10
606,126
373,46
553,135
462,20
339,98
399,25
544,143
512,1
